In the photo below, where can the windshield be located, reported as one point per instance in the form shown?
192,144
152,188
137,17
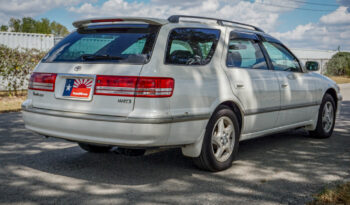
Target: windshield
124,43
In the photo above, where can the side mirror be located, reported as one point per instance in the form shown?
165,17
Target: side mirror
312,66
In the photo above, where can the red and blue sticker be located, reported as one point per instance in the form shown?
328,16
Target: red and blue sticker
78,88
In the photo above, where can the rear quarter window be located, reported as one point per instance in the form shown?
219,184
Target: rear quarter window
191,46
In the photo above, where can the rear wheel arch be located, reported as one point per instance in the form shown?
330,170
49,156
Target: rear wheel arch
236,109
217,137
194,150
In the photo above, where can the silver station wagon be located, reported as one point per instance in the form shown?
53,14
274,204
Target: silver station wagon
198,83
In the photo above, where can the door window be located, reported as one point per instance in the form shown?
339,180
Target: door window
281,58
244,53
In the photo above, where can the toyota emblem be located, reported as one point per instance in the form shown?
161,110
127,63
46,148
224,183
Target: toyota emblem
77,68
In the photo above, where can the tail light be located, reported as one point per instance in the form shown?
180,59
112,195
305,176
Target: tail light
115,85
154,87
42,81
134,86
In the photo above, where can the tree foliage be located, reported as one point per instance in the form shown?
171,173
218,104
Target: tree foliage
339,64
30,25
16,65
4,28
15,25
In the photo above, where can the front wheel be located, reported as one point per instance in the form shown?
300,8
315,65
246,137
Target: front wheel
220,143
326,118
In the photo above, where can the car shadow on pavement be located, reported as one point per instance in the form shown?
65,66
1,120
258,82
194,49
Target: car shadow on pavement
281,168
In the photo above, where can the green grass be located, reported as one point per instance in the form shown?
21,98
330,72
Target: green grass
11,103
340,79
336,195
19,93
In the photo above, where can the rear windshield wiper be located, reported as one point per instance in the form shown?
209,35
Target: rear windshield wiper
100,57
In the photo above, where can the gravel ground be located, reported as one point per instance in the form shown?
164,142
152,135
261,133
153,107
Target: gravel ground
279,169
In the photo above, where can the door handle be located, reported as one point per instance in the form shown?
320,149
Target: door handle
284,85
239,85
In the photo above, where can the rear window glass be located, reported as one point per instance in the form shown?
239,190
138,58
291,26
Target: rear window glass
118,44
191,46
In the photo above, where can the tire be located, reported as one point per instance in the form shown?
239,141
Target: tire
326,118
94,148
219,139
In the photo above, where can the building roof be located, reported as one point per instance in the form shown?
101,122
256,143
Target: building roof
313,53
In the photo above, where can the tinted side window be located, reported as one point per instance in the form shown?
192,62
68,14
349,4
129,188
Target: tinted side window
245,54
191,46
205,48
281,58
178,45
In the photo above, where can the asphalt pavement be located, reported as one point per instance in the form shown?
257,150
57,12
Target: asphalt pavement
278,169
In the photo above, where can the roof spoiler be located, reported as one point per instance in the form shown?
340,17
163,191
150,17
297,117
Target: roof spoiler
82,23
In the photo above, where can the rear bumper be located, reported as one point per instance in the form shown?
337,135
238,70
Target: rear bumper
111,130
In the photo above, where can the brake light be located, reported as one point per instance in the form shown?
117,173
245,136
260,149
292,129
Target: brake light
106,20
134,86
42,81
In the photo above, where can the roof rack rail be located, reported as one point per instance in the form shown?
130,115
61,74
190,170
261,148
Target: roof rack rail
176,18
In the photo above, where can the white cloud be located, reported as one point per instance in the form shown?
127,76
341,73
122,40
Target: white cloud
345,3
340,16
331,31
326,34
245,11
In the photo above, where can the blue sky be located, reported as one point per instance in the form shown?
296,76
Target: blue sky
287,21
298,23
293,18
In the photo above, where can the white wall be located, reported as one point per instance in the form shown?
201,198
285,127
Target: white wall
320,56
42,42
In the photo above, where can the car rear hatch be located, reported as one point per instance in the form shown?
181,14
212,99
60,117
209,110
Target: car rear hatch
94,70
